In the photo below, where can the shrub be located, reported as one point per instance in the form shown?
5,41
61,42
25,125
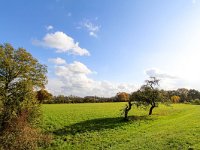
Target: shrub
196,102
20,135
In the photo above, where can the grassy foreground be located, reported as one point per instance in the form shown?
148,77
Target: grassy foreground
99,126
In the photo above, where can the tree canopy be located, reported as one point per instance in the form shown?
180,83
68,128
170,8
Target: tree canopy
20,75
122,96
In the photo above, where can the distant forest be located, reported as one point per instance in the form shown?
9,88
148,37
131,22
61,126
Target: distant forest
181,95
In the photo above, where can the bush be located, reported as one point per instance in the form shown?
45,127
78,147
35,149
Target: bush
196,102
20,135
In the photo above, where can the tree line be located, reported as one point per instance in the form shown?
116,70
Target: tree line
47,98
181,95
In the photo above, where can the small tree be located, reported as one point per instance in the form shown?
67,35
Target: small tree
148,94
151,93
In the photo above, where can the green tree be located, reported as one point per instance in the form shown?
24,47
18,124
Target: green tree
193,94
151,93
148,94
20,75
183,94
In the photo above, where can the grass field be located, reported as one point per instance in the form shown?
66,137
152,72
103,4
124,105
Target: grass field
100,126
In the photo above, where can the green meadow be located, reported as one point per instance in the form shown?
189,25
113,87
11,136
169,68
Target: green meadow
100,126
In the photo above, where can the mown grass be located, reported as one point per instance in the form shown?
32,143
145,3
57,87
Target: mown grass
99,126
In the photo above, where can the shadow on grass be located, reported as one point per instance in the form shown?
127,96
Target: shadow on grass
97,125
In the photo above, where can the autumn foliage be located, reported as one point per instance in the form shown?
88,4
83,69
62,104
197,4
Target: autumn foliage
175,99
43,95
123,96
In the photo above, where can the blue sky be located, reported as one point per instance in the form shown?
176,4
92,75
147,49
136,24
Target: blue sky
102,47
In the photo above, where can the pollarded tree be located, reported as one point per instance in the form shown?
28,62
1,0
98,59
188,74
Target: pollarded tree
20,75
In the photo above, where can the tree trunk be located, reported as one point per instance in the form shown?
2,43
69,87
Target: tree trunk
151,109
126,110
126,114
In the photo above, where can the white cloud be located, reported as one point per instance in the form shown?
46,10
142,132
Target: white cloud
62,43
92,28
75,68
167,81
54,86
153,72
92,34
75,79
57,61
50,27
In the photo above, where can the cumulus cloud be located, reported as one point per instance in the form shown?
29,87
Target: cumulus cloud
74,78
57,61
55,86
50,27
75,68
92,28
62,43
